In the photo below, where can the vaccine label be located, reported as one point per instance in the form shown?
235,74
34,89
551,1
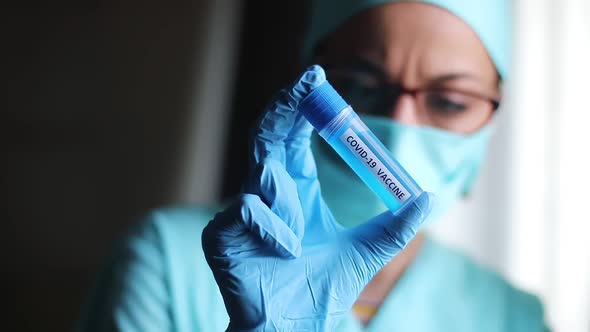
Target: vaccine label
374,165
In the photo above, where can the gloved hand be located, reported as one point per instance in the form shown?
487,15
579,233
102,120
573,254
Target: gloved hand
280,259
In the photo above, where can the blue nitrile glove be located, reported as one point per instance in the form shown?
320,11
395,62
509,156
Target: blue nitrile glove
280,259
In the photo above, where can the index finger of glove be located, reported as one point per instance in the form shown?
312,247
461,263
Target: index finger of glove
246,227
279,118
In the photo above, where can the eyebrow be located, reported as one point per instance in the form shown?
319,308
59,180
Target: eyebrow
451,77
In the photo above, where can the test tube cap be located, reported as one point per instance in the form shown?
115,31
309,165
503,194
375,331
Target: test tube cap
322,105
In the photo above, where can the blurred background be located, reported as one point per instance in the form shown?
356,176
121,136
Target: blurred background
114,108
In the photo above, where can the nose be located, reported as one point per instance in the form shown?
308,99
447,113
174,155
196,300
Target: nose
405,111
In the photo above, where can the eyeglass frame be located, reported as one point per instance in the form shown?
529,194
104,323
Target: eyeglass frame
402,90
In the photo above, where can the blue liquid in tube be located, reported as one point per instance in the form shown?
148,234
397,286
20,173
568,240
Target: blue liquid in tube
341,127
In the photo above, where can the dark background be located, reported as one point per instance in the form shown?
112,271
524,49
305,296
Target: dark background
96,100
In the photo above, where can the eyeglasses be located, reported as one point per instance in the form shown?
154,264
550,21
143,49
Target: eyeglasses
446,108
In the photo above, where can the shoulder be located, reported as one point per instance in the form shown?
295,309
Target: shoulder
157,277
486,294
169,229
180,218
175,233
171,234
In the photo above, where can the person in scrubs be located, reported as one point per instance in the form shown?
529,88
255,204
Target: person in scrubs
426,77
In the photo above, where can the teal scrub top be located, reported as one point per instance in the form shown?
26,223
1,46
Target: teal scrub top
158,280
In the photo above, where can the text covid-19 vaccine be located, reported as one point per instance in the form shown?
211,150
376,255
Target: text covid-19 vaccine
341,127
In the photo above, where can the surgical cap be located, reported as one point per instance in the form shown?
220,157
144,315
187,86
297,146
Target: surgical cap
490,19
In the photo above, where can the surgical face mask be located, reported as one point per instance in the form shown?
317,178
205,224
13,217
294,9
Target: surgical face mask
440,161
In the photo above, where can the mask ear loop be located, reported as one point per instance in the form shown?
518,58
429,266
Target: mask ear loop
467,193
476,170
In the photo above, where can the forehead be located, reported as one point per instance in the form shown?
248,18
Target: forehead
411,41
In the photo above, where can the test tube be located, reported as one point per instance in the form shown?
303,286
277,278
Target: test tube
342,128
